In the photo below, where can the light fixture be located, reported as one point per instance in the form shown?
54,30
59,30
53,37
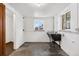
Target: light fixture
39,4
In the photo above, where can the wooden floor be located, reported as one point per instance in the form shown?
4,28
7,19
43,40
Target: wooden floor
9,48
39,49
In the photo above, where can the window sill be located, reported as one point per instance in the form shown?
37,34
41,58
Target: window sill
39,30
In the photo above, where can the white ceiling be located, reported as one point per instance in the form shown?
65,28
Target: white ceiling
30,10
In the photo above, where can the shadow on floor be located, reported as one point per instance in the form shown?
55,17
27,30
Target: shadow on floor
9,48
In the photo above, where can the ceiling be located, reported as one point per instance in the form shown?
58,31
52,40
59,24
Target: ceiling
46,10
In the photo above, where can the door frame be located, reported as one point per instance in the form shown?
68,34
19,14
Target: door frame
3,30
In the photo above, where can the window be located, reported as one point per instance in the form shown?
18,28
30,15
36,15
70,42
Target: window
66,20
38,25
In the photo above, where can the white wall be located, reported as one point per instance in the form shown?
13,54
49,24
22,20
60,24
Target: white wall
70,40
78,15
35,36
14,26
9,25
18,29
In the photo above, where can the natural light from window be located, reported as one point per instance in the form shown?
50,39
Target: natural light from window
38,25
